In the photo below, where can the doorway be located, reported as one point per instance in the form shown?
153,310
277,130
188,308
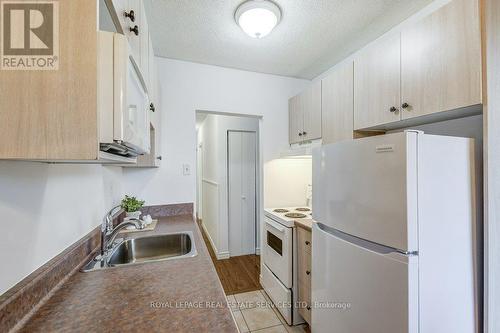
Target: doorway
229,196
242,190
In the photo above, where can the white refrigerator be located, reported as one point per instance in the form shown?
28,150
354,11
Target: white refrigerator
393,243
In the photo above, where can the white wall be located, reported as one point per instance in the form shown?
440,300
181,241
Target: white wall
46,208
286,181
187,87
213,137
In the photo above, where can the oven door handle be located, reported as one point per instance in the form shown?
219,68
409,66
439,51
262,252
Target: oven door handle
276,226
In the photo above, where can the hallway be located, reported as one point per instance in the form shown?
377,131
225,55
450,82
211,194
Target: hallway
237,274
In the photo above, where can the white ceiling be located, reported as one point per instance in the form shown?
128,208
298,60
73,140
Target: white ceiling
313,35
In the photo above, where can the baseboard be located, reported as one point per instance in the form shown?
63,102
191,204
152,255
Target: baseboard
257,251
223,255
219,255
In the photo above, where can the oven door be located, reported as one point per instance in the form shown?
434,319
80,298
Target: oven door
278,250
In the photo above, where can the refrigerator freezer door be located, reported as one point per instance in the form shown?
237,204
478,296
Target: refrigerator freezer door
367,188
356,289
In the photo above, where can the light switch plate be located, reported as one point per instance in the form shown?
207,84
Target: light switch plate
186,169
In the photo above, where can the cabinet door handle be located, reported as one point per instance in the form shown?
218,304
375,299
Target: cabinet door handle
152,107
308,272
135,30
300,134
405,105
393,109
307,242
159,158
130,15
305,133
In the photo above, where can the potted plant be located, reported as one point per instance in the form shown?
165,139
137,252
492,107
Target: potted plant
131,206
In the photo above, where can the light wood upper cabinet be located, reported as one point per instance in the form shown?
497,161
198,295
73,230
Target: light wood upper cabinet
304,112
441,60
338,105
67,115
51,115
311,100
295,120
377,84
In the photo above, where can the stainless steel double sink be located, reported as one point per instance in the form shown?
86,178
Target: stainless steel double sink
146,249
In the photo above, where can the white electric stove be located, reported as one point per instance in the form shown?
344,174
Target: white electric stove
279,273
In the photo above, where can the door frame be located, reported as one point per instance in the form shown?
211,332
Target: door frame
257,177
199,181
490,13
222,253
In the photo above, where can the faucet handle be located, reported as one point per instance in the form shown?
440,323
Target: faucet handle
139,224
142,224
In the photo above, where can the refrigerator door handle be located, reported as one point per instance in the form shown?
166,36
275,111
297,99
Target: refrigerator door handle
368,245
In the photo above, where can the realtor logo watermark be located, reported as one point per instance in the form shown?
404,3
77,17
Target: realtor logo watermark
29,35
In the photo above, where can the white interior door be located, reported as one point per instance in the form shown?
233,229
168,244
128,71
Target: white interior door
242,159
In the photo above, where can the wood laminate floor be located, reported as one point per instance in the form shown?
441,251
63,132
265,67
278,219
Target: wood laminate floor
237,274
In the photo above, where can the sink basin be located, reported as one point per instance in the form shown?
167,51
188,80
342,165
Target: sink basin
147,249
153,248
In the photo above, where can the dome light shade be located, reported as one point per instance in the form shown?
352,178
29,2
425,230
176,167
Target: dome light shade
257,18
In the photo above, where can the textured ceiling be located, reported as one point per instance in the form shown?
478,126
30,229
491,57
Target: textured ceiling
313,34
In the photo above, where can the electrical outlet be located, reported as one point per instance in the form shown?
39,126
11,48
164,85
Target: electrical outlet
186,169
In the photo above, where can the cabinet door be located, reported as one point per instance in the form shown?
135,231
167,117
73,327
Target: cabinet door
441,60
133,38
311,100
295,120
155,99
144,39
337,102
122,7
304,271
377,84
151,73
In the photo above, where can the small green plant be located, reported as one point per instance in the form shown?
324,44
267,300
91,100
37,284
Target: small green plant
131,204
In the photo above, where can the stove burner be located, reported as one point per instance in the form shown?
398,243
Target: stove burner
281,210
302,209
295,215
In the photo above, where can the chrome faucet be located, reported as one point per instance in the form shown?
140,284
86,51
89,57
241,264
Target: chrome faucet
106,227
108,232
109,238
107,222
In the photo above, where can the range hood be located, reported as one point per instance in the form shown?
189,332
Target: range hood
301,150
297,153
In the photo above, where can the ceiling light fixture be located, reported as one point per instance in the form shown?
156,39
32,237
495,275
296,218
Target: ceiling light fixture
257,18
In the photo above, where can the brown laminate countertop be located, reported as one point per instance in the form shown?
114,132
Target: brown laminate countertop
304,223
179,295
